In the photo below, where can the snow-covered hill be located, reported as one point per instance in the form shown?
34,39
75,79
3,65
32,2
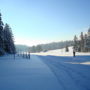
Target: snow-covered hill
61,52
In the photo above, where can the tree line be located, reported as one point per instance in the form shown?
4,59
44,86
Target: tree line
6,39
82,43
51,46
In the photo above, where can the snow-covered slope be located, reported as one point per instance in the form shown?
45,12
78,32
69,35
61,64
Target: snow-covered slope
61,52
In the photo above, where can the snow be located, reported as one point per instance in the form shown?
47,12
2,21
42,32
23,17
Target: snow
25,74
57,52
62,52
71,73
52,70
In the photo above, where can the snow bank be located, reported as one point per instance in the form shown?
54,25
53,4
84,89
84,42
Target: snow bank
61,52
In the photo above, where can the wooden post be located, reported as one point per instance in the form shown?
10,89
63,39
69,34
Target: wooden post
14,56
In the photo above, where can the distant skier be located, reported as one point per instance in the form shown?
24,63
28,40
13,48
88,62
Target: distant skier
29,54
74,53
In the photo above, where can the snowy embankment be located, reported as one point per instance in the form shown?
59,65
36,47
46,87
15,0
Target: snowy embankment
62,52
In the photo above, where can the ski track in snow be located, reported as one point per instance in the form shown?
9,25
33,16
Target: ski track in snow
26,74
76,79
45,72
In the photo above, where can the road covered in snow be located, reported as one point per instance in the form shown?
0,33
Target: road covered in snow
72,73
45,73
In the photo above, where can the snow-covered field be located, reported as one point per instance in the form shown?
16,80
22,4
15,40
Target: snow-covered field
61,52
52,70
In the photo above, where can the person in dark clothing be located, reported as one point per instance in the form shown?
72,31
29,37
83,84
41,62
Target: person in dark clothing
74,53
29,54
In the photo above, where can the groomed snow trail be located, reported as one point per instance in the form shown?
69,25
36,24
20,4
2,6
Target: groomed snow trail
25,74
70,72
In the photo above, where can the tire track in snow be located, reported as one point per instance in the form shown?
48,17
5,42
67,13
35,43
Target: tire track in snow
54,70
68,70
70,75
58,63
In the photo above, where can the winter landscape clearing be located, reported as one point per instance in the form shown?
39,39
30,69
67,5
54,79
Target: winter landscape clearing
44,44
45,72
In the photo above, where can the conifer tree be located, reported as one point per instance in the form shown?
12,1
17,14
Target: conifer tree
33,49
89,32
1,37
38,48
82,42
85,43
88,40
9,40
75,43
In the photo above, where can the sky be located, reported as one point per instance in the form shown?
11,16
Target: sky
42,21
